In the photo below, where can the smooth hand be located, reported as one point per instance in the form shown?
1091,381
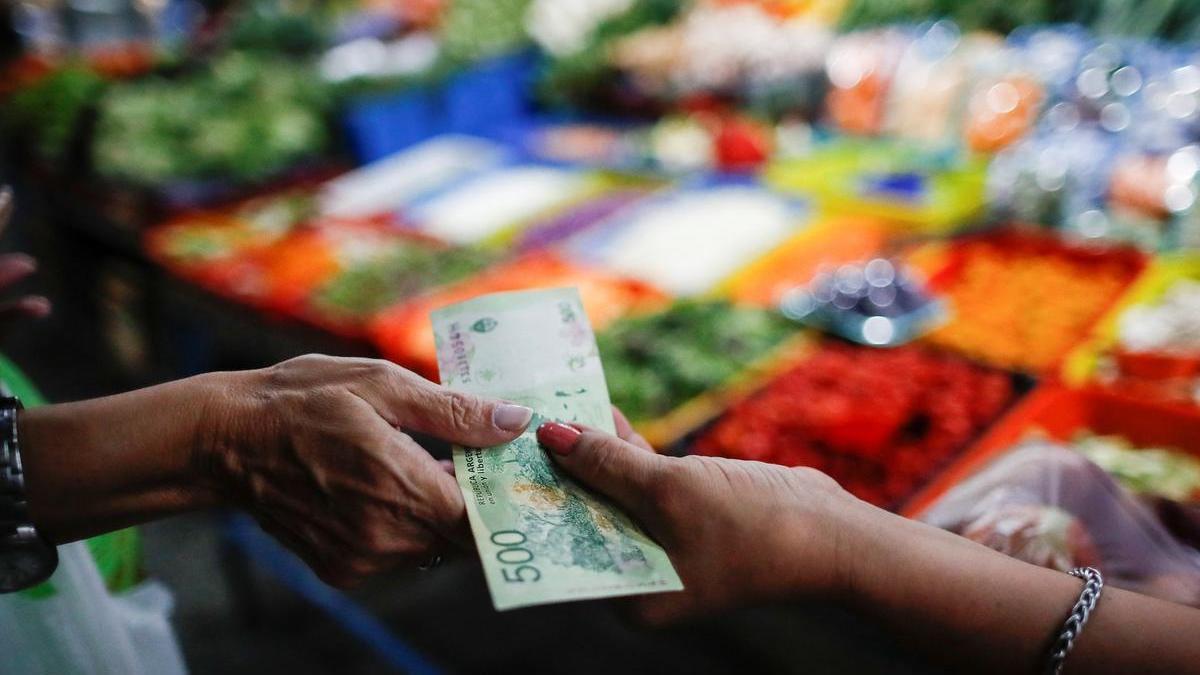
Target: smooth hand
737,531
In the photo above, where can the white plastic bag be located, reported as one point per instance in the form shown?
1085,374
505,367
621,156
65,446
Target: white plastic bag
1049,505
77,627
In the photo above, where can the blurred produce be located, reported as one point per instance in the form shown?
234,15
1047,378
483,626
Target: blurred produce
737,48
880,422
478,29
919,189
1020,301
579,44
831,241
1162,472
296,27
49,113
403,333
1171,326
1142,347
243,118
386,274
656,362
1172,19
201,244
860,67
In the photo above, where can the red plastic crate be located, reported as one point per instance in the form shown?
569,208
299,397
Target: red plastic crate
1060,413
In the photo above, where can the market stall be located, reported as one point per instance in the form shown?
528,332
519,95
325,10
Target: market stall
937,252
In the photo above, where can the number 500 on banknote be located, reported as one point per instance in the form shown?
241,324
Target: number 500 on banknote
541,536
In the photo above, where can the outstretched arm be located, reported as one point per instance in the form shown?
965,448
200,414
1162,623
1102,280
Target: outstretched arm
315,448
745,531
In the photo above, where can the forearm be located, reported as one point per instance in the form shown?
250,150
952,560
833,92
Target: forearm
975,608
99,465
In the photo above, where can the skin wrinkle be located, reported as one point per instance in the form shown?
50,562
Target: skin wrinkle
308,447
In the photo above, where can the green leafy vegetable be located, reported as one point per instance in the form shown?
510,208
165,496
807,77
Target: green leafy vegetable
656,362
245,118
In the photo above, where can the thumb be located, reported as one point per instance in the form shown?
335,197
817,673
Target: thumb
602,461
413,403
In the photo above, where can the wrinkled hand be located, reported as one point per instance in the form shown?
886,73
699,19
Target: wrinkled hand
320,457
737,531
13,268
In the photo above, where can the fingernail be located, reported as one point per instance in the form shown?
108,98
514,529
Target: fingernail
23,261
511,417
559,438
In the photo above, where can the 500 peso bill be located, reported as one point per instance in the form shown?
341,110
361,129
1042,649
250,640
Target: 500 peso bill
542,537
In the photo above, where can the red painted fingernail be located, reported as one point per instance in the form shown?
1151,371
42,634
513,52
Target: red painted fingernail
558,438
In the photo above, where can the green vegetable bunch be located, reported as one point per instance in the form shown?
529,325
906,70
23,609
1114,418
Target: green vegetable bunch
656,362
1169,19
245,117
50,111
279,26
408,268
478,29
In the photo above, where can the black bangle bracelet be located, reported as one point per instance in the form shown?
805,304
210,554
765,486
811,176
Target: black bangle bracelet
1093,585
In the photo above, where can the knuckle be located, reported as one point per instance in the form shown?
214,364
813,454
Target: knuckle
382,371
460,411
814,477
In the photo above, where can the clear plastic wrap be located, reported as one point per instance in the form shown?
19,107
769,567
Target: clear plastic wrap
1048,505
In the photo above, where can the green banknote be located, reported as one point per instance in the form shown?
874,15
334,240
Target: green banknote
542,537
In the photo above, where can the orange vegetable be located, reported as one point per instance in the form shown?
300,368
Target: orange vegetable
1022,301
1002,112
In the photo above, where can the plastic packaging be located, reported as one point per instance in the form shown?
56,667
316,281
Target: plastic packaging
876,303
860,67
929,91
1047,504
75,626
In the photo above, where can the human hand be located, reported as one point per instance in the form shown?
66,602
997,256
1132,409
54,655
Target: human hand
13,268
737,531
319,455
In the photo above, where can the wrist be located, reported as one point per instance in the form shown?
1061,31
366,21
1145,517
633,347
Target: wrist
232,421
827,542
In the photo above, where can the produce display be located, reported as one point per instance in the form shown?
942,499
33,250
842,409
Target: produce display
944,252
1021,301
399,269
880,422
829,242
203,245
1171,474
245,117
655,362
1170,326
402,332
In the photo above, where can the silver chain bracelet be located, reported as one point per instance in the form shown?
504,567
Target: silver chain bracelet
1093,584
